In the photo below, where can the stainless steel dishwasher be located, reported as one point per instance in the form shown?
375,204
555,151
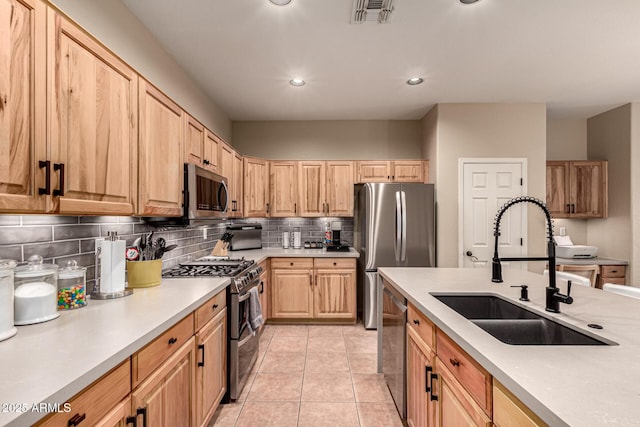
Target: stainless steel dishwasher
394,320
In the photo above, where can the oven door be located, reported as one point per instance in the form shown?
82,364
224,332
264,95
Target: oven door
206,193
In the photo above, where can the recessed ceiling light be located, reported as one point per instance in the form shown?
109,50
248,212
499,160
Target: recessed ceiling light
415,81
296,82
462,1
280,2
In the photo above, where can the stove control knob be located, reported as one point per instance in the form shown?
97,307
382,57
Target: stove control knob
258,270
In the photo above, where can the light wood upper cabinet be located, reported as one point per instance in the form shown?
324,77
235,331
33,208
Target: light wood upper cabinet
211,369
211,151
93,133
161,154
409,171
312,178
577,189
167,397
194,141
22,106
225,168
374,171
256,187
283,177
340,188
238,186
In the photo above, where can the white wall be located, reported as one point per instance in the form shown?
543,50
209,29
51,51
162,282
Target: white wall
567,140
486,130
117,28
609,138
329,139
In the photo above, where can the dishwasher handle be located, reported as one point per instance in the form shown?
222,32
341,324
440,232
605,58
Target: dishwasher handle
395,300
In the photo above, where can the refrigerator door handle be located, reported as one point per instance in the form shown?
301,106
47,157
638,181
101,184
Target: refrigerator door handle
403,247
398,242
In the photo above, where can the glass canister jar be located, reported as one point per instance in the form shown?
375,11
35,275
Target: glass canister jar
36,292
7,330
72,286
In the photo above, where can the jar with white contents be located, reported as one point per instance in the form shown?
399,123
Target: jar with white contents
71,286
36,292
7,330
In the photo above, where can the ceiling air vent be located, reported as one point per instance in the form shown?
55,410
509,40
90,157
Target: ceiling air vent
372,11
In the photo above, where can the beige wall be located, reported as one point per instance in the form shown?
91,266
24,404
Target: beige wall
634,276
567,140
430,141
609,138
116,27
331,139
486,130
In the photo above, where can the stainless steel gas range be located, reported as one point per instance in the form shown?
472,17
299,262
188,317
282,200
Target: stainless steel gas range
242,349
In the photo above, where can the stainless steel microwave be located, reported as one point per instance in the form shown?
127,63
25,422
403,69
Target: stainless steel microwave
206,194
206,198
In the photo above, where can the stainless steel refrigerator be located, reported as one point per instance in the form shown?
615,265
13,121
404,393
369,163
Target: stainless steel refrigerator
394,227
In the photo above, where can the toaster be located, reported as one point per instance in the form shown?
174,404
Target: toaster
245,236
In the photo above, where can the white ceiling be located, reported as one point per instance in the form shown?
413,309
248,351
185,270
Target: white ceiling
581,57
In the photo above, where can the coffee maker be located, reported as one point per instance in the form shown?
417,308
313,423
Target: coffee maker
336,244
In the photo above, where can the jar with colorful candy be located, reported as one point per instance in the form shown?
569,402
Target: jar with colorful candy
72,286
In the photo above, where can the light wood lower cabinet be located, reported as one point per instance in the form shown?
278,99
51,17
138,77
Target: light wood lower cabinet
420,365
314,289
120,416
265,291
508,411
167,397
211,370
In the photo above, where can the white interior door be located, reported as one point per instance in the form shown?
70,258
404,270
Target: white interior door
486,186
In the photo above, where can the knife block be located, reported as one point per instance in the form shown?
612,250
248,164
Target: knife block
220,249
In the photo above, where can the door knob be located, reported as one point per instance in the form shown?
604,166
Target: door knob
471,255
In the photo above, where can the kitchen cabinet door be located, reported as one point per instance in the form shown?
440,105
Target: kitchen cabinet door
509,411
238,185
292,294
283,178
265,290
194,141
335,294
161,173
22,107
256,187
225,169
408,171
420,408
455,407
120,416
93,130
167,397
211,150
340,188
588,182
312,177
374,171
211,370
558,189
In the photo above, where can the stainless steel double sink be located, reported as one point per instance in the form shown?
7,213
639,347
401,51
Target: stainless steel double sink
513,324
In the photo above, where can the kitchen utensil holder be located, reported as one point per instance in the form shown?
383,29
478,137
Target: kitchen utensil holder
144,274
220,249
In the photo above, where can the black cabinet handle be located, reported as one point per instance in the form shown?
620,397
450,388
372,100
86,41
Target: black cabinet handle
59,167
427,371
454,362
573,208
215,306
295,208
143,412
173,340
201,348
132,420
568,208
416,322
267,207
76,419
261,287
433,377
47,177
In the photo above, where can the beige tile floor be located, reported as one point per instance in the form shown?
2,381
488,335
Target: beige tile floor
313,376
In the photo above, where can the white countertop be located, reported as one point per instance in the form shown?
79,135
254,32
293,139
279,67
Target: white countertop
564,385
590,261
52,361
261,254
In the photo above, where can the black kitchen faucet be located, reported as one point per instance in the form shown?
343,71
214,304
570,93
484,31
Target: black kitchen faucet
554,297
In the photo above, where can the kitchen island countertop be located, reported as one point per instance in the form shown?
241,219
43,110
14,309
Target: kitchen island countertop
590,261
564,385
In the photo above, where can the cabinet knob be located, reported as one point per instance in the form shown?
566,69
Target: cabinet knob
215,306
454,362
416,322
290,263
335,263
173,340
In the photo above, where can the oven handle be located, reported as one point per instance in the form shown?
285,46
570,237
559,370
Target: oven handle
246,296
246,340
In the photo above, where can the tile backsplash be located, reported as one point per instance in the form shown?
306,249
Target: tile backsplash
59,239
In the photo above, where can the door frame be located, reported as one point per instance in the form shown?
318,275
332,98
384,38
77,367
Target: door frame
462,161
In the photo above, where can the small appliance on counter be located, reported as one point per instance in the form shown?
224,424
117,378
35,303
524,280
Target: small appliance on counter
245,236
36,292
7,329
336,244
566,249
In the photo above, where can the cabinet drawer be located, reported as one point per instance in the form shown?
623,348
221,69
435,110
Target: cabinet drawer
508,411
97,400
210,309
612,271
422,326
614,280
329,263
149,358
467,371
292,263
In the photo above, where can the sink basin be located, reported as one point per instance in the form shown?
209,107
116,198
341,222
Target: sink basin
513,324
